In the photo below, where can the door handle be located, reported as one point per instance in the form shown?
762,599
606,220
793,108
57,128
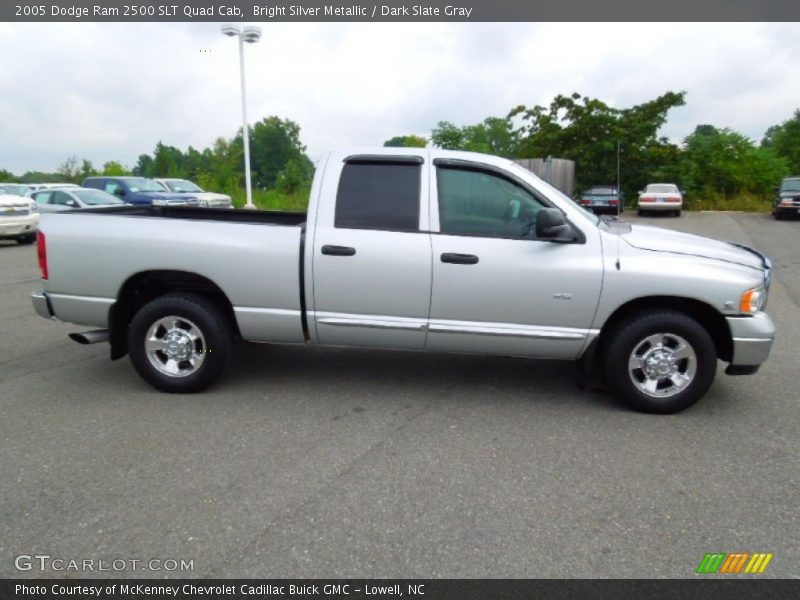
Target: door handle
459,259
338,250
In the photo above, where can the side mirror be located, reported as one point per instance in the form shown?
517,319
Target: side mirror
72,204
640,192
551,225
119,191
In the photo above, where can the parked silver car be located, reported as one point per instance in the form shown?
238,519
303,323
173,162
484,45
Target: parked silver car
57,199
184,186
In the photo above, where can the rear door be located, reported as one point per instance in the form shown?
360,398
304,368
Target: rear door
372,252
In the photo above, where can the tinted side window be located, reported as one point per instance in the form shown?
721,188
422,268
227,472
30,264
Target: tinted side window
42,197
111,186
478,203
379,196
61,198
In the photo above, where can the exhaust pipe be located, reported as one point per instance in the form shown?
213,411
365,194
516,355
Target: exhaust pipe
90,337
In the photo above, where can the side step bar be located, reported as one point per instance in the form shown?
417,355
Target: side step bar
91,337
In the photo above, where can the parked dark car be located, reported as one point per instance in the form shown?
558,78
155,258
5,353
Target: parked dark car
603,198
787,201
140,190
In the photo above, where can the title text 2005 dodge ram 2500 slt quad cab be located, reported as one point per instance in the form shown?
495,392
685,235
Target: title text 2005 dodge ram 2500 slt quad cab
412,249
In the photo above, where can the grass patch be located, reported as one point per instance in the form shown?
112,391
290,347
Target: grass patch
742,202
273,200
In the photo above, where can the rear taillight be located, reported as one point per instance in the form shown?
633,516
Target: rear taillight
613,202
584,201
674,200
647,199
41,250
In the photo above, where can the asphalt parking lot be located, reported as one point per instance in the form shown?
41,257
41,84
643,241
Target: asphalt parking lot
321,462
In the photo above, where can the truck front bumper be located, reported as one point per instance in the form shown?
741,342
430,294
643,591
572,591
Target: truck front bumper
752,339
41,304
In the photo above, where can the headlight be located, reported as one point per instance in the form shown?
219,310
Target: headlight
753,300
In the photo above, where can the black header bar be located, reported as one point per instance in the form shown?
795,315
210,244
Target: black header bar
265,11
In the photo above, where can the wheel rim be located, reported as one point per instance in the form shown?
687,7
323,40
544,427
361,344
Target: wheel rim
175,346
662,365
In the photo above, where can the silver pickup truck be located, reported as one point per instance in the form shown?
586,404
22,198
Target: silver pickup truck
414,249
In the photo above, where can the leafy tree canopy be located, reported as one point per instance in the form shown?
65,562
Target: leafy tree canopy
406,141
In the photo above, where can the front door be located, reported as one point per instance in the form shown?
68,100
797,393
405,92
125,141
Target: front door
497,289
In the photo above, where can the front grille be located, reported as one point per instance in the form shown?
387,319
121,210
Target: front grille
14,211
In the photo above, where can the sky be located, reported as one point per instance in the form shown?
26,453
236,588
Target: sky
112,91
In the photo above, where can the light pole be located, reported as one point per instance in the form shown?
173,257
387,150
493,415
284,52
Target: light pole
250,35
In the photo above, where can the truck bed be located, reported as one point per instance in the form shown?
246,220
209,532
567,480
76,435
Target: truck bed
236,215
253,256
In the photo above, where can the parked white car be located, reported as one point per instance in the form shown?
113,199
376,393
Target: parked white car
184,186
15,189
45,186
661,197
57,199
19,219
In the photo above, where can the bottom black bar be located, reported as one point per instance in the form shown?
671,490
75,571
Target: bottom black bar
381,589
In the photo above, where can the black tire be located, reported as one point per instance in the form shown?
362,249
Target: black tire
210,351
630,336
640,212
26,239
778,216
678,213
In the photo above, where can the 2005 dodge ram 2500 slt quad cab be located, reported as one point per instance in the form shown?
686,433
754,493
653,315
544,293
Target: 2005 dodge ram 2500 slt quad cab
412,249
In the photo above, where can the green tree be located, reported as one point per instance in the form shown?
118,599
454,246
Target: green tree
406,141
167,161
145,166
86,170
492,136
112,168
724,163
6,176
784,139
273,143
295,176
589,131
68,170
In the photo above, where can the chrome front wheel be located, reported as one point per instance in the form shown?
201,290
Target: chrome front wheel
659,361
662,365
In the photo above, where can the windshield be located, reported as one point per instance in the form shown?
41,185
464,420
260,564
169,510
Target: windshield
790,185
601,191
14,190
140,184
662,188
182,185
96,197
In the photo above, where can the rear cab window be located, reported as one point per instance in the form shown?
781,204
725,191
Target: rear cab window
380,195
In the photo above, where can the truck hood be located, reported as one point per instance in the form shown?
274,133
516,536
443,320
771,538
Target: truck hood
666,240
16,201
166,196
